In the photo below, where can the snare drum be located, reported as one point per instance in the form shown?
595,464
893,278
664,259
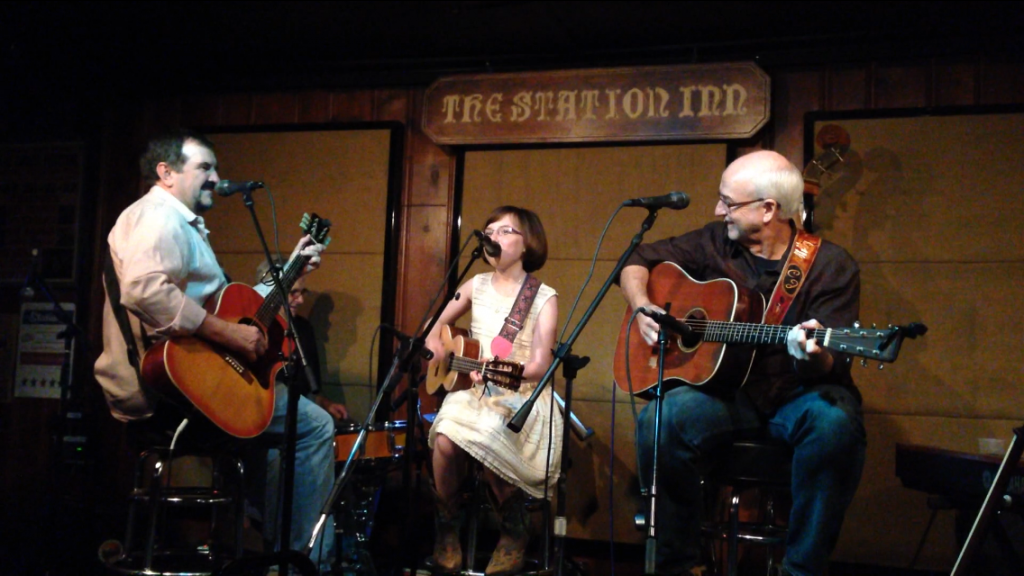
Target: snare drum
383,441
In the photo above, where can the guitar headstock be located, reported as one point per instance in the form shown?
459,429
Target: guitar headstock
316,227
503,373
882,344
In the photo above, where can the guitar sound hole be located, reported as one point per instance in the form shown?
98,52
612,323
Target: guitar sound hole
693,318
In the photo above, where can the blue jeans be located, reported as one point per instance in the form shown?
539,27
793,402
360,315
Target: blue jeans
314,475
823,424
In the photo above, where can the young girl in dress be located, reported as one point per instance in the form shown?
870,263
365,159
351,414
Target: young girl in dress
472,423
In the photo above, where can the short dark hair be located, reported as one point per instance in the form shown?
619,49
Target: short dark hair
534,238
168,148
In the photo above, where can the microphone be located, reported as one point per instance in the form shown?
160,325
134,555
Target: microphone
673,325
672,200
227,187
492,248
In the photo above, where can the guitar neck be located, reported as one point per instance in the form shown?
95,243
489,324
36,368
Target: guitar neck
746,333
276,299
464,365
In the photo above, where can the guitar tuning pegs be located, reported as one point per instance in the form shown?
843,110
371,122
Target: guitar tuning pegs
881,366
873,326
856,324
864,362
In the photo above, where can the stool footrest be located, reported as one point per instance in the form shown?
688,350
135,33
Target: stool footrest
755,533
169,563
184,496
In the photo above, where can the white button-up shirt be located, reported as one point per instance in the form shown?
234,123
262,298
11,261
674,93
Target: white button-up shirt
166,269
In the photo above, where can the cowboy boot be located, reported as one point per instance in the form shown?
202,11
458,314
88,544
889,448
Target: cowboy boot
510,554
447,558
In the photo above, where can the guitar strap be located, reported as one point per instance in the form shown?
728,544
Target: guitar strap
501,346
121,314
801,257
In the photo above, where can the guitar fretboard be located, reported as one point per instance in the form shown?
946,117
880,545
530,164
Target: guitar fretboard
464,365
746,333
275,300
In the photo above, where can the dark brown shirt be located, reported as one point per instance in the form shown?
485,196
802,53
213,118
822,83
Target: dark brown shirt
830,294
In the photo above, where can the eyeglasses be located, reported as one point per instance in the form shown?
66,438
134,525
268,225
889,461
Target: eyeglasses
501,232
730,206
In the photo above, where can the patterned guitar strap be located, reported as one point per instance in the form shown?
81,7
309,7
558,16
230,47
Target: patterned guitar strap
801,257
501,346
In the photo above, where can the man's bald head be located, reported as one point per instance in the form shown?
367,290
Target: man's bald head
771,175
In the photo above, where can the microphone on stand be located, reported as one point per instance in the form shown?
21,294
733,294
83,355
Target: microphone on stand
492,248
227,187
673,325
672,200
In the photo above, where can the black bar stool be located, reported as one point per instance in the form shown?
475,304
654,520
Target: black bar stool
155,495
764,465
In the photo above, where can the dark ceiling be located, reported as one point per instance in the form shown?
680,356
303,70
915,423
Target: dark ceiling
188,44
60,53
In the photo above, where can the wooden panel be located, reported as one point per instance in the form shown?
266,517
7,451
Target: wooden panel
796,93
394,105
964,366
901,86
847,89
425,250
314,107
236,110
1002,83
275,108
902,195
956,84
429,171
430,178
342,175
352,106
200,111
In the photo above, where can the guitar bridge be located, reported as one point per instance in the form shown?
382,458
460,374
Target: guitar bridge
235,364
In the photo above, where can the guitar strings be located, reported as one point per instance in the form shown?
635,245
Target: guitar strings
719,329
498,375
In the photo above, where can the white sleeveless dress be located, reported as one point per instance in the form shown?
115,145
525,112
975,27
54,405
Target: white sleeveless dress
476,419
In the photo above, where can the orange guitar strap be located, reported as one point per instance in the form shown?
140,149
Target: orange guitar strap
801,257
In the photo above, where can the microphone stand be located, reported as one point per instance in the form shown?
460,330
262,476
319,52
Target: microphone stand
410,351
285,556
651,543
66,414
995,499
562,353
68,334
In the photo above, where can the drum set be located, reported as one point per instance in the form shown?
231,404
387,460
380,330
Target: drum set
356,511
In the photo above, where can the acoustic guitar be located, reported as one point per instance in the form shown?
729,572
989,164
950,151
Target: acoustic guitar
235,395
726,324
451,371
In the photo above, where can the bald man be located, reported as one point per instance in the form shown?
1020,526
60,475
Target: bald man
796,392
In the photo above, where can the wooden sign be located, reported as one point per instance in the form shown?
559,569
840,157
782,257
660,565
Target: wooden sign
686,102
